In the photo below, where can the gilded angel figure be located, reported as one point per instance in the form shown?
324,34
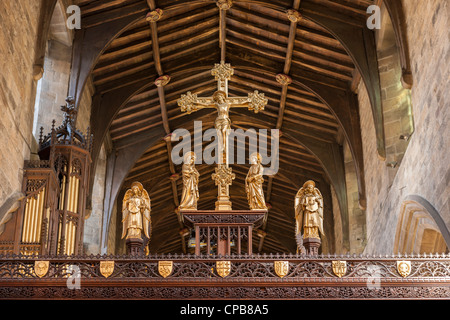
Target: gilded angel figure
254,182
309,211
136,210
190,193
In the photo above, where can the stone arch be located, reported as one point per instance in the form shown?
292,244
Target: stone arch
395,92
420,228
53,86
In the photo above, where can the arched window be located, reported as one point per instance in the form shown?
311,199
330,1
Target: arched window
420,228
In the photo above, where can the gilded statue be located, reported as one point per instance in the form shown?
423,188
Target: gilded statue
222,102
136,212
190,193
309,211
222,122
254,182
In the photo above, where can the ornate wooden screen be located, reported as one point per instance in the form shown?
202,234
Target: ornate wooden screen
271,277
223,232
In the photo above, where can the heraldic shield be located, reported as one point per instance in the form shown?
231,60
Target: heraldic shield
165,268
404,268
41,268
106,268
223,268
281,268
339,268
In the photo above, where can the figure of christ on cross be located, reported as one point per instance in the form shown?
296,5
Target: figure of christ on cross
190,102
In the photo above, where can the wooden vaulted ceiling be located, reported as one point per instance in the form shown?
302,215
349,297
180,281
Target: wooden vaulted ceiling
259,41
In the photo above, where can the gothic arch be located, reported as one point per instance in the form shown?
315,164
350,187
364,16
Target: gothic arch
420,228
398,120
53,75
351,43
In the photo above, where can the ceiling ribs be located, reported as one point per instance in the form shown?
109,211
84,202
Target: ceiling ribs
152,17
223,7
283,79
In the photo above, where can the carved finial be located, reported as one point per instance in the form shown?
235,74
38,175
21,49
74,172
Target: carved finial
69,111
283,79
53,124
257,101
41,135
162,81
154,15
186,102
222,71
224,4
293,15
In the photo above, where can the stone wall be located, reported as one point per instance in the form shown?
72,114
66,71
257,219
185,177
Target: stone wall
424,170
93,225
396,100
338,239
18,34
53,87
356,216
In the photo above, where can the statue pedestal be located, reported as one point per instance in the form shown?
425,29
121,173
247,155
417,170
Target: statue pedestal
135,246
222,231
312,245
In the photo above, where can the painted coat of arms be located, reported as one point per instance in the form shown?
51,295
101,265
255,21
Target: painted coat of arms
165,268
106,268
339,268
223,268
281,268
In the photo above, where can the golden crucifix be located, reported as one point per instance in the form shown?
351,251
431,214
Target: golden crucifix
220,100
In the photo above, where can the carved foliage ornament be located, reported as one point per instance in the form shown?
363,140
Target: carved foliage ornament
223,176
162,81
293,15
222,71
257,101
187,102
224,4
283,79
154,15
33,185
